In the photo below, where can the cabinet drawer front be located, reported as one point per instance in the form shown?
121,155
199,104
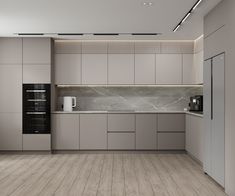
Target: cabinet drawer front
171,141
171,122
121,141
121,122
37,142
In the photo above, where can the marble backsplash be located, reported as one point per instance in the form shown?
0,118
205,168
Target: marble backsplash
129,98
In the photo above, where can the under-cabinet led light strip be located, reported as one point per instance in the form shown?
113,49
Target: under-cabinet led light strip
187,15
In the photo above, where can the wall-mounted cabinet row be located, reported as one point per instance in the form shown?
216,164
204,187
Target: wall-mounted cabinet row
118,131
127,69
123,47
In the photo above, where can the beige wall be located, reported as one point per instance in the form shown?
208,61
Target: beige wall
219,32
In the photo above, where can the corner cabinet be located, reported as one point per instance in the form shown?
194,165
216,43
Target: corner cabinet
194,136
37,60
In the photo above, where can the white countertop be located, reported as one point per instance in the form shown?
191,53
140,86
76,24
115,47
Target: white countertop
128,112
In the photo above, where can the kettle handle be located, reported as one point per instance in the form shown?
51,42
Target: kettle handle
74,102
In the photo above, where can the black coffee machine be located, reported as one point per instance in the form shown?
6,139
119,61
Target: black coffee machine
196,103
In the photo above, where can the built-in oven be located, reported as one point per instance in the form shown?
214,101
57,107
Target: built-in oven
36,109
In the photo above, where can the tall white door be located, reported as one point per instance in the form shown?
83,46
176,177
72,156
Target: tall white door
217,131
214,118
207,115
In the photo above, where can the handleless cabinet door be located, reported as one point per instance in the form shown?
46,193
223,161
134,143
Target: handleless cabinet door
65,131
36,50
10,131
94,68
171,141
93,131
145,69
68,68
11,88
168,68
36,73
171,122
188,75
146,131
121,69
10,50
121,141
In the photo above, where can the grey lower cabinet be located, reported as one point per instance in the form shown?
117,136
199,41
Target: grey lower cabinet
171,131
194,136
93,131
10,131
65,131
36,142
121,131
121,141
146,131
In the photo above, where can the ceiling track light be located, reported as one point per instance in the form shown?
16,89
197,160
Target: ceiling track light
30,34
187,15
71,34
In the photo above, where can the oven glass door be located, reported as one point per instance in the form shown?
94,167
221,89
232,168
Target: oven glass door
36,122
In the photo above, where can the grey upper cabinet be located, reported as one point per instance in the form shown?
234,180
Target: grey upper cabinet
93,131
94,68
187,47
188,74
145,69
10,131
121,69
146,131
68,68
147,47
94,47
171,122
121,47
10,51
37,60
36,51
121,122
67,47
171,48
168,68
11,88
65,131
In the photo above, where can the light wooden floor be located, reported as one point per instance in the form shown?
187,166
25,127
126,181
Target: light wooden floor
108,174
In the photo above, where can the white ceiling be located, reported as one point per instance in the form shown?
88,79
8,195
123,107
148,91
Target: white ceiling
103,16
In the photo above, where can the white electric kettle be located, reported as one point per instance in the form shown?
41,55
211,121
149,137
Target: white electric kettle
69,103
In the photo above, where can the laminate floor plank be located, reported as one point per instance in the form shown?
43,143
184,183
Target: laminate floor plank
14,180
118,178
80,182
105,184
131,182
171,186
154,177
71,175
198,174
92,185
184,185
28,188
55,180
104,174
144,184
